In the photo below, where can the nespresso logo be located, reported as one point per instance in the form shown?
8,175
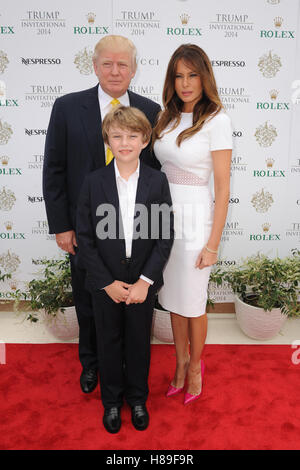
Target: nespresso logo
35,132
228,63
40,61
35,198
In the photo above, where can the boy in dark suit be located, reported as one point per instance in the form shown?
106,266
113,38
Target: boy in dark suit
74,147
124,245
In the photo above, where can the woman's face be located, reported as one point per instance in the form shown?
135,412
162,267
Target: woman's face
188,86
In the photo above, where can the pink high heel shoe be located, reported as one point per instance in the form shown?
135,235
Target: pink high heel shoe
188,397
173,391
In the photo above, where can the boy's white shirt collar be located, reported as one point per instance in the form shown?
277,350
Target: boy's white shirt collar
137,171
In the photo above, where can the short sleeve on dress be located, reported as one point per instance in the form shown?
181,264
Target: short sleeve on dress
220,132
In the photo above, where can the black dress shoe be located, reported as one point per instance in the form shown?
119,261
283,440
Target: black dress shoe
88,380
139,417
112,419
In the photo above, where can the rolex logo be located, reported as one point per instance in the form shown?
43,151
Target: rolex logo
91,17
184,18
266,227
270,162
262,201
4,160
3,61
278,21
7,199
269,64
5,132
265,135
273,94
8,225
9,262
83,61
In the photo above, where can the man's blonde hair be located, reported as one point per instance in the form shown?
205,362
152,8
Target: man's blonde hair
116,43
126,117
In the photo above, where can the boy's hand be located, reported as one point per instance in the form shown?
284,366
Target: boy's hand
118,291
138,292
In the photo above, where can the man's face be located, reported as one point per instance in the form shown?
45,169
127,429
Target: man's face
115,70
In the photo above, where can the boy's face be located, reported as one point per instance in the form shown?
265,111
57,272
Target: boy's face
126,145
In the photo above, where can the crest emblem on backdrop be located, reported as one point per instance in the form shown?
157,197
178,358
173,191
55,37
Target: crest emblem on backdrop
3,61
265,135
269,64
262,201
5,132
7,199
83,61
9,262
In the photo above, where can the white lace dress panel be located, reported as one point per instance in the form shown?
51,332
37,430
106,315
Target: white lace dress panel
177,175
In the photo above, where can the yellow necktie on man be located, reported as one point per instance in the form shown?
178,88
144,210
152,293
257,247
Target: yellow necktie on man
109,154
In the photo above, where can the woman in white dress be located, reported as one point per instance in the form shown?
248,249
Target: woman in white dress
192,138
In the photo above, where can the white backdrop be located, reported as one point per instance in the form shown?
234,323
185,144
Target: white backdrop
45,52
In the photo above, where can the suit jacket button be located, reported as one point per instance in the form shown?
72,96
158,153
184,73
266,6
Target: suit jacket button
123,261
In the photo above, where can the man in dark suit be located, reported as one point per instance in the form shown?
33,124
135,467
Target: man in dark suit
74,147
124,246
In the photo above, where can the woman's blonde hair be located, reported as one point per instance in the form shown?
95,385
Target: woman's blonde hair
195,58
126,117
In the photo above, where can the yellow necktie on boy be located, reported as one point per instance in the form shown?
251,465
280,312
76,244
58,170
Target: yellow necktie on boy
109,154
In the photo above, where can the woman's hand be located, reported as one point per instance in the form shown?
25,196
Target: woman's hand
205,259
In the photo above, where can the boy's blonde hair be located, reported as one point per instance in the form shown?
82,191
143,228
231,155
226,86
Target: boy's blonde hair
126,117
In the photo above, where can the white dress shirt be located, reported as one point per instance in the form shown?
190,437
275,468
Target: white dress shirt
104,101
127,195
105,106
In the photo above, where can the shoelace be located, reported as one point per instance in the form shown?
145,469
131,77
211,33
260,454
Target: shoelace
90,374
139,411
113,412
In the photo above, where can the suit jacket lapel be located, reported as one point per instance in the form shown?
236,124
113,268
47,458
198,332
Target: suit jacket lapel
111,192
141,199
110,186
132,101
143,185
91,120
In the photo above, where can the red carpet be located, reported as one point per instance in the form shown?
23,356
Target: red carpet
250,400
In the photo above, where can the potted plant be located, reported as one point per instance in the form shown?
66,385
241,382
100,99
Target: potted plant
266,292
52,295
161,324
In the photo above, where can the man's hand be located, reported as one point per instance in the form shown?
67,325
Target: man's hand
138,292
118,291
66,241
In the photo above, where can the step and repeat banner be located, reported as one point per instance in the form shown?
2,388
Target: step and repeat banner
45,52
